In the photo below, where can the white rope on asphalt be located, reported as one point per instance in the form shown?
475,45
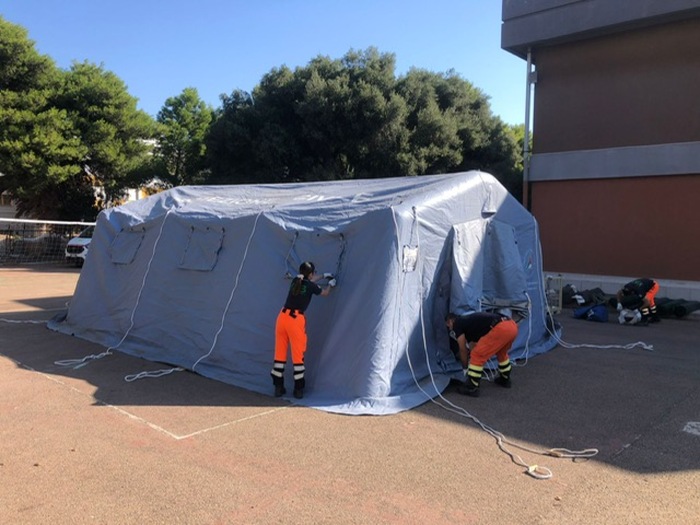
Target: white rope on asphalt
533,470
155,373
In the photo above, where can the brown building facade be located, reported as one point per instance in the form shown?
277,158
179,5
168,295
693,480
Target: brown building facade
614,175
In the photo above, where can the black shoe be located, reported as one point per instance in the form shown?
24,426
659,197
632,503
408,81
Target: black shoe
643,322
502,381
280,390
298,393
468,389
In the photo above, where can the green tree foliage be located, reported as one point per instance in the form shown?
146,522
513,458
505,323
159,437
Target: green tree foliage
183,123
63,132
517,133
433,122
229,141
353,118
38,147
333,119
22,68
108,123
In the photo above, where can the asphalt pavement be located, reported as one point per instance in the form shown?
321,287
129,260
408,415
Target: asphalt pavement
85,446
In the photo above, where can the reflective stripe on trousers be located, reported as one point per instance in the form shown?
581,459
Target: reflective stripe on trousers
290,331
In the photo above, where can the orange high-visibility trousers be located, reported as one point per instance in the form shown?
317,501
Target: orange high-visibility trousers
649,296
290,331
497,342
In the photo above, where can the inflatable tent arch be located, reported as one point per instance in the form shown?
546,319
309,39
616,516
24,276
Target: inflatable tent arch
195,276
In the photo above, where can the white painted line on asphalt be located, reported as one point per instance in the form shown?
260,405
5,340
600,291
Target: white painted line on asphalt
137,418
198,432
140,419
692,427
234,422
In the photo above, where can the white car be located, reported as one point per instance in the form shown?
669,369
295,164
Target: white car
77,247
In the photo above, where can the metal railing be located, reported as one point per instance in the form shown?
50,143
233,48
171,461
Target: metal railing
25,241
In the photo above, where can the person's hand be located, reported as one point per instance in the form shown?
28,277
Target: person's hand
619,306
332,283
328,276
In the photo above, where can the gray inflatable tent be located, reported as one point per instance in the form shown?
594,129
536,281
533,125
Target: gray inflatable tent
195,277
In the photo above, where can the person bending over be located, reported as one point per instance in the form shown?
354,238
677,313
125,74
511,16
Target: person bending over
480,336
640,294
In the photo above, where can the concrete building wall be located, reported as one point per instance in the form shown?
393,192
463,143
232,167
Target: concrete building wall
631,89
615,171
642,226
612,108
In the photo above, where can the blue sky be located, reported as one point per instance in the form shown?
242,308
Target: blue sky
158,48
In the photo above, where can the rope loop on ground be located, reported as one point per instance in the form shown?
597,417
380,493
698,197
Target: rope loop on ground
566,453
79,363
539,472
153,373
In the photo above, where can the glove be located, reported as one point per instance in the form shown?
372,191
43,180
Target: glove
328,276
619,306
332,283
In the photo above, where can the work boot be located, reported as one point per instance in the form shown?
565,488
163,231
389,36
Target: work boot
468,389
504,368
277,374
646,317
299,383
654,315
502,381
471,381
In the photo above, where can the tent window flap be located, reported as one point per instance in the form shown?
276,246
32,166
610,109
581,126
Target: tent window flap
126,244
202,249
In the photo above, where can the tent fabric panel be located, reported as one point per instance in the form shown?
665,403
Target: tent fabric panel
504,276
202,248
125,246
374,343
467,266
350,332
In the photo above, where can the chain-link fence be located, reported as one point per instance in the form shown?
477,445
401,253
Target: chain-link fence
43,242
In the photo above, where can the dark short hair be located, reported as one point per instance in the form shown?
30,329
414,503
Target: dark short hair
451,317
307,268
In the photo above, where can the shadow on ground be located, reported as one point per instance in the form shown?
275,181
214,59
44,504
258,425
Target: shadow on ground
40,349
631,404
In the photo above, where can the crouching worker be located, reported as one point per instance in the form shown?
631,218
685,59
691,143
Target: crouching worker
639,294
480,336
290,328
